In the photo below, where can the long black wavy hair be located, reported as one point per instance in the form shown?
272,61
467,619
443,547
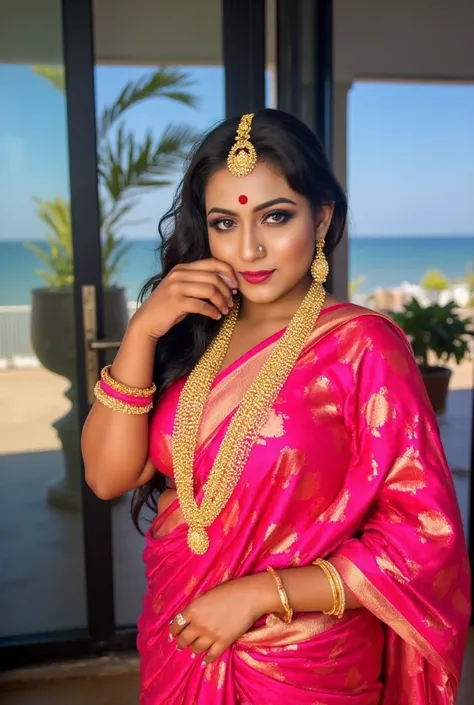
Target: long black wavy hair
290,146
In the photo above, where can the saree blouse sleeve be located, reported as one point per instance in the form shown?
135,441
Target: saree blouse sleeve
407,561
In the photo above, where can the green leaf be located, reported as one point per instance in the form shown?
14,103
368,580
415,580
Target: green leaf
56,253
435,280
435,329
126,165
53,74
116,261
115,216
43,255
355,285
162,83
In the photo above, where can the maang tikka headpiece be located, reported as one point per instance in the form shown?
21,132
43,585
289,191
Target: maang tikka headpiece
242,157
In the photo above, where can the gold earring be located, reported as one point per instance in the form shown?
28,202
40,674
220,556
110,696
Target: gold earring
320,266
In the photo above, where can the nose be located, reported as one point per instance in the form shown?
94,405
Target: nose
250,247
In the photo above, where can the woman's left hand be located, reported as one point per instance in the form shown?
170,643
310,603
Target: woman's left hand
216,619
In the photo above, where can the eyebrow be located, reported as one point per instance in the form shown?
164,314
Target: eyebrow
261,207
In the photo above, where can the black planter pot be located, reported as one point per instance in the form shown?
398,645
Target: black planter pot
436,379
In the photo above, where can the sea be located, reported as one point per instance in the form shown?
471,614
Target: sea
375,261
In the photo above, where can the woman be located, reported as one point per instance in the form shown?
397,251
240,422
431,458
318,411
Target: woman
308,546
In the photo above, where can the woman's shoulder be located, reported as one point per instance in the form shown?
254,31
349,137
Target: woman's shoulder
362,328
349,315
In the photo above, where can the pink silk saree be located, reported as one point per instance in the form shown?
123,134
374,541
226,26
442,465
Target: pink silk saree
348,466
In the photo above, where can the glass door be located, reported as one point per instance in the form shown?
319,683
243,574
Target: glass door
78,236
42,580
56,583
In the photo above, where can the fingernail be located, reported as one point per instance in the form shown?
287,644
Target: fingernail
179,648
231,303
170,637
171,622
193,655
226,311
203,664
235,291
226,279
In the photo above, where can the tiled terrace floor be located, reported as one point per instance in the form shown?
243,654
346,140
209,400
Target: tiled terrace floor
123,689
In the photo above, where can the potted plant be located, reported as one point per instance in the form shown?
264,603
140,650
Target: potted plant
438,335
126,164
53,330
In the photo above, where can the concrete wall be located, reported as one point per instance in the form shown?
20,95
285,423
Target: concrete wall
407,39
139,32
30,32
158,31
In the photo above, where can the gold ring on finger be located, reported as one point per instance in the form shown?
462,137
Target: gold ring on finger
180,621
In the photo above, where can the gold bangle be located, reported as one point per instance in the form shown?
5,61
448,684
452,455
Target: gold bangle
125,389
288,616
320,563
342,593
337,588
118,405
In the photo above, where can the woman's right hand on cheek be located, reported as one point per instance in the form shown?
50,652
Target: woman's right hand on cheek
204,287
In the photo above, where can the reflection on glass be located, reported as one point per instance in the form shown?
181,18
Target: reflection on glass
410,255
41,549
271,97
158,112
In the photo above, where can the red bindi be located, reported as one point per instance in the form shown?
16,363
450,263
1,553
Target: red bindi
243,199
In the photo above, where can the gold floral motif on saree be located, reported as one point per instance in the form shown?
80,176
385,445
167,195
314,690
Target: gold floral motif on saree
433,526
407,473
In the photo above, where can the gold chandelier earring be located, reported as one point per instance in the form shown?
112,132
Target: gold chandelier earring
320,266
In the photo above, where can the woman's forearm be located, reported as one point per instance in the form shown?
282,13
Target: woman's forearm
308,590
133,364
115,445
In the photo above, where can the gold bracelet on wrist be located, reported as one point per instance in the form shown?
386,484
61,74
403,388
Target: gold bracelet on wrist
288,615
320,563
124,388
341,591
337,588
118,405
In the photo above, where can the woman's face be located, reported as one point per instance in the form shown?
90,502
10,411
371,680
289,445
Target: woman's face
262,210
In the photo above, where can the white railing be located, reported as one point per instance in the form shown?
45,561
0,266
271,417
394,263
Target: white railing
15,342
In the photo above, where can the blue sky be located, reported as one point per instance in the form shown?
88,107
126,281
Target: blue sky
410,151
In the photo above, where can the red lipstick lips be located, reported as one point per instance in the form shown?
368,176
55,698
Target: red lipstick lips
257,277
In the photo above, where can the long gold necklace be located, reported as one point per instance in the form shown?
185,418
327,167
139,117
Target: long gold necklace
246,424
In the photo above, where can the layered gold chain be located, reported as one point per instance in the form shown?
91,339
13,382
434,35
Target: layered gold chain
246,424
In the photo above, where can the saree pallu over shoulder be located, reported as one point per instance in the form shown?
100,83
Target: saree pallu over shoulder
348,466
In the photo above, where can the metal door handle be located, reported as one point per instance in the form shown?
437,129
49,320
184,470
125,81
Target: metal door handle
104,344
92,344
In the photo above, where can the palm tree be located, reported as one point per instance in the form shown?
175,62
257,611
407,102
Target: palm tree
126,165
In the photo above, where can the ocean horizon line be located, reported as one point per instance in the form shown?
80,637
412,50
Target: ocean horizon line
374,262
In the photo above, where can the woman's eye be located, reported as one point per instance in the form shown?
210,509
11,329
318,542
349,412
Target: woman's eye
277,218
224,224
